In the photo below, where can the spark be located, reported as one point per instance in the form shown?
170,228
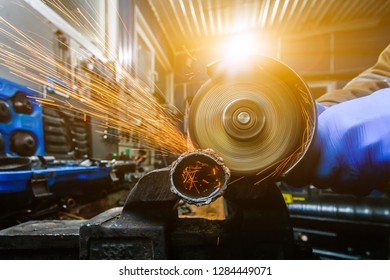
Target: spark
117,101
236,180
189,177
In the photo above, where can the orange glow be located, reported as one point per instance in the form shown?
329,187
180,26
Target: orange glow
119,102
242,46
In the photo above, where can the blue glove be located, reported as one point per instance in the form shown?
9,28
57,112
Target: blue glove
351,152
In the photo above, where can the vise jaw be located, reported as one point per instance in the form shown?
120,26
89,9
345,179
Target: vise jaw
148,227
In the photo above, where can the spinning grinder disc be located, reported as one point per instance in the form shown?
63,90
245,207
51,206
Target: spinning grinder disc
257,117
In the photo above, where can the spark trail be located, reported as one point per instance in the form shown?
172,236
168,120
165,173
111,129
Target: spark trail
117,100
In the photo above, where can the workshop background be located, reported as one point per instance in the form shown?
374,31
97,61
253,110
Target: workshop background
60,168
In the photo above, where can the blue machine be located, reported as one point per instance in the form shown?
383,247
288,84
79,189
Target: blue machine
38,188
21,128
21,180
45,155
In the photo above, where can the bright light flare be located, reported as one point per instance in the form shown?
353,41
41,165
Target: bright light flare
239,48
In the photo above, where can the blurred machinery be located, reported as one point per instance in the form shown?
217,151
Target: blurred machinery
46,162
340,226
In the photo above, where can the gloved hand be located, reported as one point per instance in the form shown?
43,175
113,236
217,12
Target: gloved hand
351,151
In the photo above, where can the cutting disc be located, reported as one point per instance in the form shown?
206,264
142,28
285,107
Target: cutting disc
252,119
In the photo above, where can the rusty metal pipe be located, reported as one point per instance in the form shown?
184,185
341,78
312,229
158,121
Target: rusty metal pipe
199,177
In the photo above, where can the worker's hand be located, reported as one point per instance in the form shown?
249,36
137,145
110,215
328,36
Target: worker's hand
351,151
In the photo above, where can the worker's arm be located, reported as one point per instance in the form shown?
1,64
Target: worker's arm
371,80
351,150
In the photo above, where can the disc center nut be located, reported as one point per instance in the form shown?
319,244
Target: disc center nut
244,118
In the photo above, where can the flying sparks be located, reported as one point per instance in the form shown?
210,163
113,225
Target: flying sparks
120,102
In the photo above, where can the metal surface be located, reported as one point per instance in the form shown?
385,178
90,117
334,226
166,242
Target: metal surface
139,230
259,116
346,209
53,239
340,226
148,227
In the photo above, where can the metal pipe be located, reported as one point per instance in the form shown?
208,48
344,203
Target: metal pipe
199,177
